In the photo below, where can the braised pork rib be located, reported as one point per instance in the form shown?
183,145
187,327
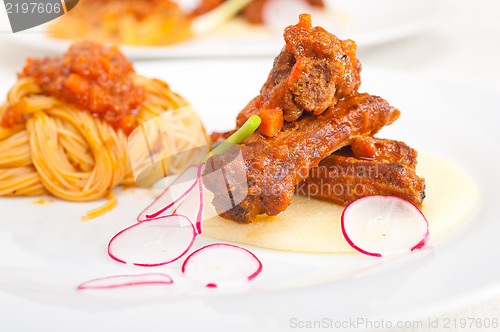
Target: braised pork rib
311,109
369,166
275,165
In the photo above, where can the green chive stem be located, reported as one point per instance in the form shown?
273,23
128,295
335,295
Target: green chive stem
238,137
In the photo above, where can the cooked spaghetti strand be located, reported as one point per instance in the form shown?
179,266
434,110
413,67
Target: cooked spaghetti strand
68,153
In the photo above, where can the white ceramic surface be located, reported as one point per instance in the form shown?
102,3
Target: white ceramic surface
46,251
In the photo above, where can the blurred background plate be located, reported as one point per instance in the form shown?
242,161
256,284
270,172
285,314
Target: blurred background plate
368,22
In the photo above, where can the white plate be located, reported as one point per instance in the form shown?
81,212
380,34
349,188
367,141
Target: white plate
368,22
45,251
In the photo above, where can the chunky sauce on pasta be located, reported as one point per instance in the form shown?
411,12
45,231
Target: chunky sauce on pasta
94,78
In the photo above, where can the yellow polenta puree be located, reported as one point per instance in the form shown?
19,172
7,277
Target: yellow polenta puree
311,225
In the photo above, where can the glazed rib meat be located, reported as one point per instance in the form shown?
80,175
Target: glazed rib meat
313,72
275,165
370,166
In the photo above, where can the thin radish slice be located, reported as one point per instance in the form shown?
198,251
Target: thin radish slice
174,193
153,242
126,280
199,219
384,225
221,263
192,206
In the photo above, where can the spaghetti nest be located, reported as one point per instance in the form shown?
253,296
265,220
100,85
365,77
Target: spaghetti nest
62,150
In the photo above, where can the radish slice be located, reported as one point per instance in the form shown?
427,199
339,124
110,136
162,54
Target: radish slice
175,192
126,280
221,263
384,225
153,242
192,206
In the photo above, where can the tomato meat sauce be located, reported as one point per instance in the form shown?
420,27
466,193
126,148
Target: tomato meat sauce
94,78
313,72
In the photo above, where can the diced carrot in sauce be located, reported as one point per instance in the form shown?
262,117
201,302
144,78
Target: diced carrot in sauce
13,114
297,69
272,121
305,21
128,123
76,84
362,150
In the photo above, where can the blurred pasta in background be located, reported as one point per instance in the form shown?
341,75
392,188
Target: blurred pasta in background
128,22
166,22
